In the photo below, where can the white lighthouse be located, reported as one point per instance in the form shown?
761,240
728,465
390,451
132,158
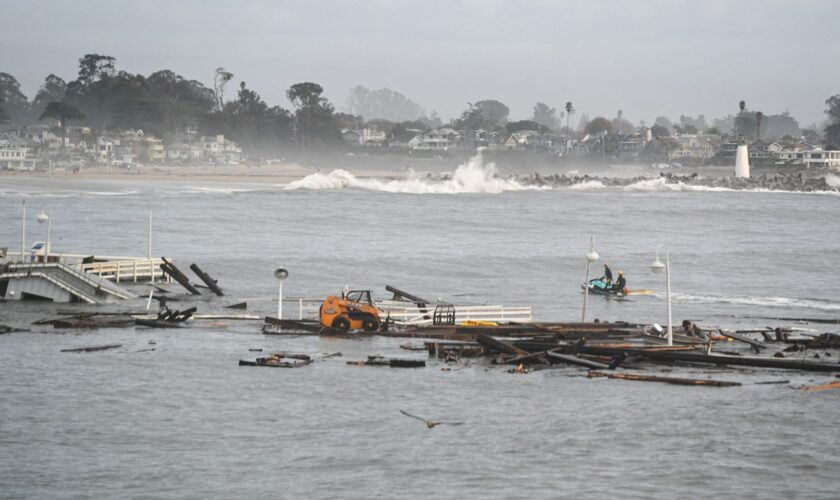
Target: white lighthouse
742,162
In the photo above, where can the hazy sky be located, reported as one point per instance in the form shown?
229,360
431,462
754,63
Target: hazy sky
644,57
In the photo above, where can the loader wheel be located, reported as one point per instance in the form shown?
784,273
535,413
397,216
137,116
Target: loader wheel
370,324
341,324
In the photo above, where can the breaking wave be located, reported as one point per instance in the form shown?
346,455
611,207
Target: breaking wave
472,177
587,185
833,181
822,305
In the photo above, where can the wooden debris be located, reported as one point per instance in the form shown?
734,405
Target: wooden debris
238,305
499,346
93,348
170,269
211,283
667,380
575,360
823,387
392,362
756,346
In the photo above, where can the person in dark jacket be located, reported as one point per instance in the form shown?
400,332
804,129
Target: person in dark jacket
620,283
607,277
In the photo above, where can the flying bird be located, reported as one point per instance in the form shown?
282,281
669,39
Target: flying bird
429,423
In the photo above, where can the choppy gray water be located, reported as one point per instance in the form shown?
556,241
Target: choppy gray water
185,421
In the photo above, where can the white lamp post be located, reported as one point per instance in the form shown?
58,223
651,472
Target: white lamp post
658,267
281,274
23,232
42,218
591,257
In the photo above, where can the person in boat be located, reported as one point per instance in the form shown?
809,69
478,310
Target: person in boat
620,283
607,277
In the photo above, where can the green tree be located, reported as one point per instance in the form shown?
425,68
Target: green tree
832,131
63,112
15,102
54,88
384,104
220,79
570,110
512,127
492,112
314,115
658,131
545,115
599,125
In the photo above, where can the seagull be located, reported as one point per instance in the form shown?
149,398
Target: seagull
430,424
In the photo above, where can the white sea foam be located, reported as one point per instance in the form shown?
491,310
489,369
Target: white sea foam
833,181
472,177
215,190
587,185
792,302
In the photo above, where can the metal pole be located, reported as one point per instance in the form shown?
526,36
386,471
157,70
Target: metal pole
23,232
280,301
150,234
49,225
585,293
668,295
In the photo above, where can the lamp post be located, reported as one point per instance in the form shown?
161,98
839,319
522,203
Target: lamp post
23,232
591,257
281,274
657,267
42,218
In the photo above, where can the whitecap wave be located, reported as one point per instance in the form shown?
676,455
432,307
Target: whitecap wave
588,185
791,302
472,177
215,190
833,181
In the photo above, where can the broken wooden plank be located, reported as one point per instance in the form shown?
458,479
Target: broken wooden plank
755,344
211,283
574,360
498,345
823,387
170,269
238,305
666,380
92,348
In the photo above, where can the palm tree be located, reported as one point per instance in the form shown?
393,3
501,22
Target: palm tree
569,110
742,105
619,115
758,117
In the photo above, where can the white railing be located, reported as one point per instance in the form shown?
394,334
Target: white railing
411,314
112,268
127,270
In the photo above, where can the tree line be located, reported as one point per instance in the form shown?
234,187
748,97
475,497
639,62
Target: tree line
167,104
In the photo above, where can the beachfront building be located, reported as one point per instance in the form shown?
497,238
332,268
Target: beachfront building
693,147
809,158
183,152
439,139
14,154
143,146
219,149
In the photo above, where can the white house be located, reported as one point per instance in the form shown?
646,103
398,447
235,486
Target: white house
14,154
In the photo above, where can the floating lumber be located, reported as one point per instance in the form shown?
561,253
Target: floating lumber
499,346
93,322
238,305
154,323
399,295
276,361
392,362
574,360
667,380
170,269
702,358
823,387
93,348
756,345
210,282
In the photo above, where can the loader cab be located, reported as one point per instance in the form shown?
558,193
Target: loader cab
359,296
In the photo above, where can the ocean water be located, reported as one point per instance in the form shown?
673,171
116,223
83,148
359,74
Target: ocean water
184,421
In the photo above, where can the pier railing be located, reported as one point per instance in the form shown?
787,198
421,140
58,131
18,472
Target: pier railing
113,268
